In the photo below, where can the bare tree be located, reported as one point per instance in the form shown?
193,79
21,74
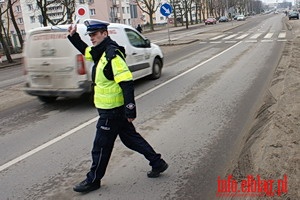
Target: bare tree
13,19
4,31
149,7
67,6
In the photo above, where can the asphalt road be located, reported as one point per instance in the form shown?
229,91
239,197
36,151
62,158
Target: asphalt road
195,115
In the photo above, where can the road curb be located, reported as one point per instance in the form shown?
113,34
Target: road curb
16,61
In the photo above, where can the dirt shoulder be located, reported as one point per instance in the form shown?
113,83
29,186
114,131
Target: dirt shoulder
271,149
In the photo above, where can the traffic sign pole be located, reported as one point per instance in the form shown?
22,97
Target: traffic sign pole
166,10
168,30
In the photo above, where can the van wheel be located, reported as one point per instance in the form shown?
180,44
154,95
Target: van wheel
156,69
47,99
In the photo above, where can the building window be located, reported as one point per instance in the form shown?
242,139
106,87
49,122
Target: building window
20,20
91,1
30,7
128,11
92,12
18,8
81,1
32,19
123,10
23,32
124,21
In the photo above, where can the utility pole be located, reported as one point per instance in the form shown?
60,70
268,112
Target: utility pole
226,12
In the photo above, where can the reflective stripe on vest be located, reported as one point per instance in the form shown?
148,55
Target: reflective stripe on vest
120,69
87,54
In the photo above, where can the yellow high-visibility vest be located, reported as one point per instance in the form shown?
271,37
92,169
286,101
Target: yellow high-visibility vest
108,93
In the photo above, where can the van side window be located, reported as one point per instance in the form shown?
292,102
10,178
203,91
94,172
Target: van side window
135,39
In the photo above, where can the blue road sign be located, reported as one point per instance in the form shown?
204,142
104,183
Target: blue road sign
166,9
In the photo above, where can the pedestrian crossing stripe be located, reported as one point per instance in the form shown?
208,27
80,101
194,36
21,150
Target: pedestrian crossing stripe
252,37
230,41
251,41
242,36
266,40
217,37
230,36
282,35
268,36
255,36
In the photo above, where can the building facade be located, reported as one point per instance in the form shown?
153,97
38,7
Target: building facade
28,14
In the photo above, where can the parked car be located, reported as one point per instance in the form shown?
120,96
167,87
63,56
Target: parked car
293,15
223,19
54,68
210,20
241,18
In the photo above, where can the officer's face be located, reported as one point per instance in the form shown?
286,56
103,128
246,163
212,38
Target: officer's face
98,37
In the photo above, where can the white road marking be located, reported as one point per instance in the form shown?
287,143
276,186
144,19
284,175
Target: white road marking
74,130
255,36
266,40
282,35
242,36
268,36
251,41
217,37
230,36
230,41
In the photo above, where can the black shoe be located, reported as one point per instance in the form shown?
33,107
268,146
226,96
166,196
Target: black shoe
84,186
155,172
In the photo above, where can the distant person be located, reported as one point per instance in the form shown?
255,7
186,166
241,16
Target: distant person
139,28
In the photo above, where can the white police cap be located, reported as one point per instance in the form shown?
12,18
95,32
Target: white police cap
93,25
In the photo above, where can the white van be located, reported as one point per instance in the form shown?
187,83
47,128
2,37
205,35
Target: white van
54,68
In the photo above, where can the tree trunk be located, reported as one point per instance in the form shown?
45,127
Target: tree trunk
13,19
151,21
5,47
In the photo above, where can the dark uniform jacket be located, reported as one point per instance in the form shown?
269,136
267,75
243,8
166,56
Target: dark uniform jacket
111,48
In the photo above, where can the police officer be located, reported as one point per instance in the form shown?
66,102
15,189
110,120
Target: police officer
114,100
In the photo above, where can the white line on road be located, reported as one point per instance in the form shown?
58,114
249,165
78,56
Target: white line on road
217,37
255,36
230,36
230,41
266,40
282,35
268,36
81,126
242,36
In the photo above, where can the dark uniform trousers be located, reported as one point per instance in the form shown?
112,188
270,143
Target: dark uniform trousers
109,126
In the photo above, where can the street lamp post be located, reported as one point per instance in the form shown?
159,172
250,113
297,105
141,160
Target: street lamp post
226,13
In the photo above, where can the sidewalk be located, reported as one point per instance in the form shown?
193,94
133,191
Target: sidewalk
17,58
